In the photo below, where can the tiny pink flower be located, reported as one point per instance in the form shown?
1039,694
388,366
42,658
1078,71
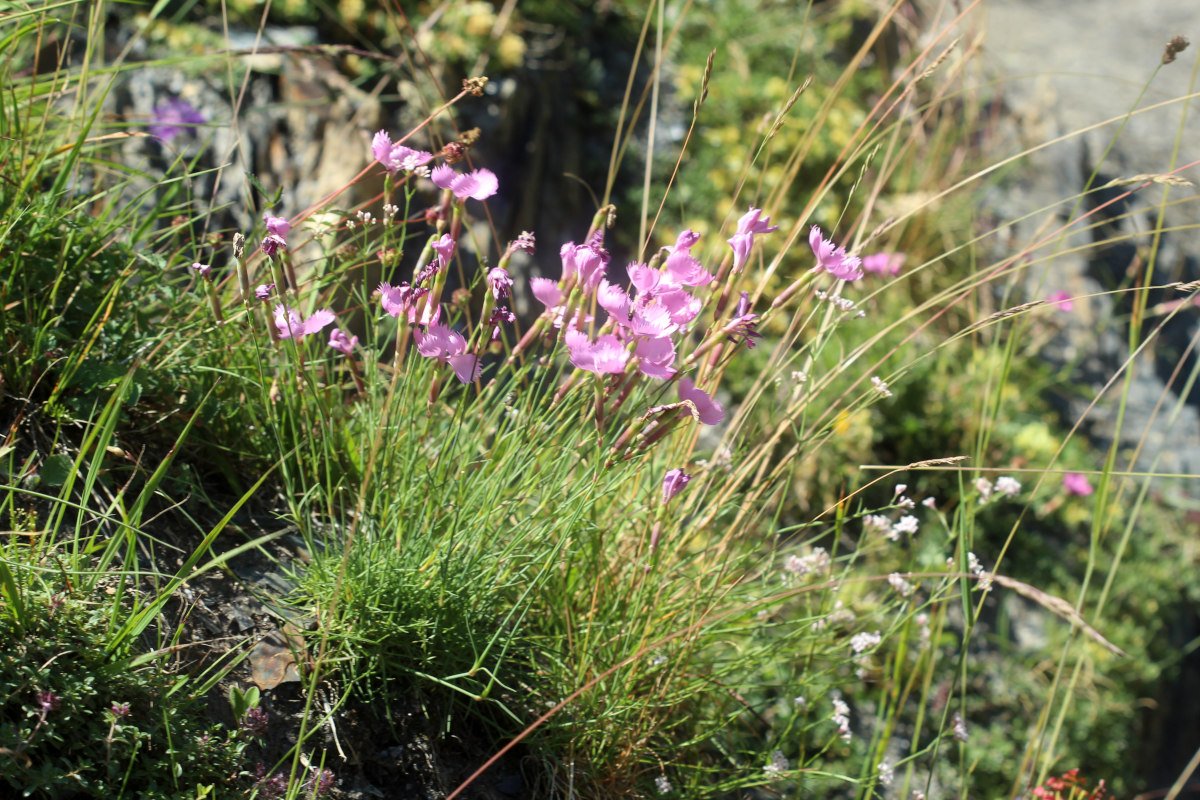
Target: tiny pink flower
291,326
500,316
708,409
834,259
263,291
478,184
744,324
444,248
1076,483
339,341
655,357
447,345
682,306
651,319
613,299
397,157
277,226
500,282
888,264
203,270
585,261
643,278
605,356
547,293
526,243
686,241
1063,300
673,483
687,270
272,244
750,225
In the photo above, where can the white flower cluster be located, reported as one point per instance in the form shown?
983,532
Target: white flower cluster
841,718
814,563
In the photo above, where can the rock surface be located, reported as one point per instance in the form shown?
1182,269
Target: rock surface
1064,68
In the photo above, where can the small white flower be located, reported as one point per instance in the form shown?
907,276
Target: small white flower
778,766
900,489
960,728
880,386
876,523
861,642
906,503
663,785
886,773
1008,486
902,587
841,718
907,524
800,702
984,487
815,562
929,502
799,376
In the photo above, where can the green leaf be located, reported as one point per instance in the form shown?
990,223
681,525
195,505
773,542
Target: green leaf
55,470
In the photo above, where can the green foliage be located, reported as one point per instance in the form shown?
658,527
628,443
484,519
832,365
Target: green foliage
80,718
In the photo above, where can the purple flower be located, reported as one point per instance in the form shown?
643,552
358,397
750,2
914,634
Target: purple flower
500,316
339,341
277,226
263,291
397,157
203,270
119,710
444,247
685,241
613,299
256,721
708,409
526,243
402,299
888,264
1077,483
673,483
172,118
291,326
605,356
547,293
479,184
656,357
833,259
320,784
751,224
687,270
48,701
443,343
272,244
585,261
500,282
1062,299
743,325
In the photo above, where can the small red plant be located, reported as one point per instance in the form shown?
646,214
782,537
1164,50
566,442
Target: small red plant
1070,786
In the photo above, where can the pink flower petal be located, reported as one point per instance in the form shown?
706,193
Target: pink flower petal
709,410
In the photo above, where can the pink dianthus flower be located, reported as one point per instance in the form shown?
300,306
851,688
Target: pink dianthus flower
397,157
708,409
1077,483
834,259
750,225
290,325
478,184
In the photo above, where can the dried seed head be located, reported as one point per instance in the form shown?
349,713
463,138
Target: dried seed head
460,299
389,256
453,152
475,85
239,245
1174,47
469,137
